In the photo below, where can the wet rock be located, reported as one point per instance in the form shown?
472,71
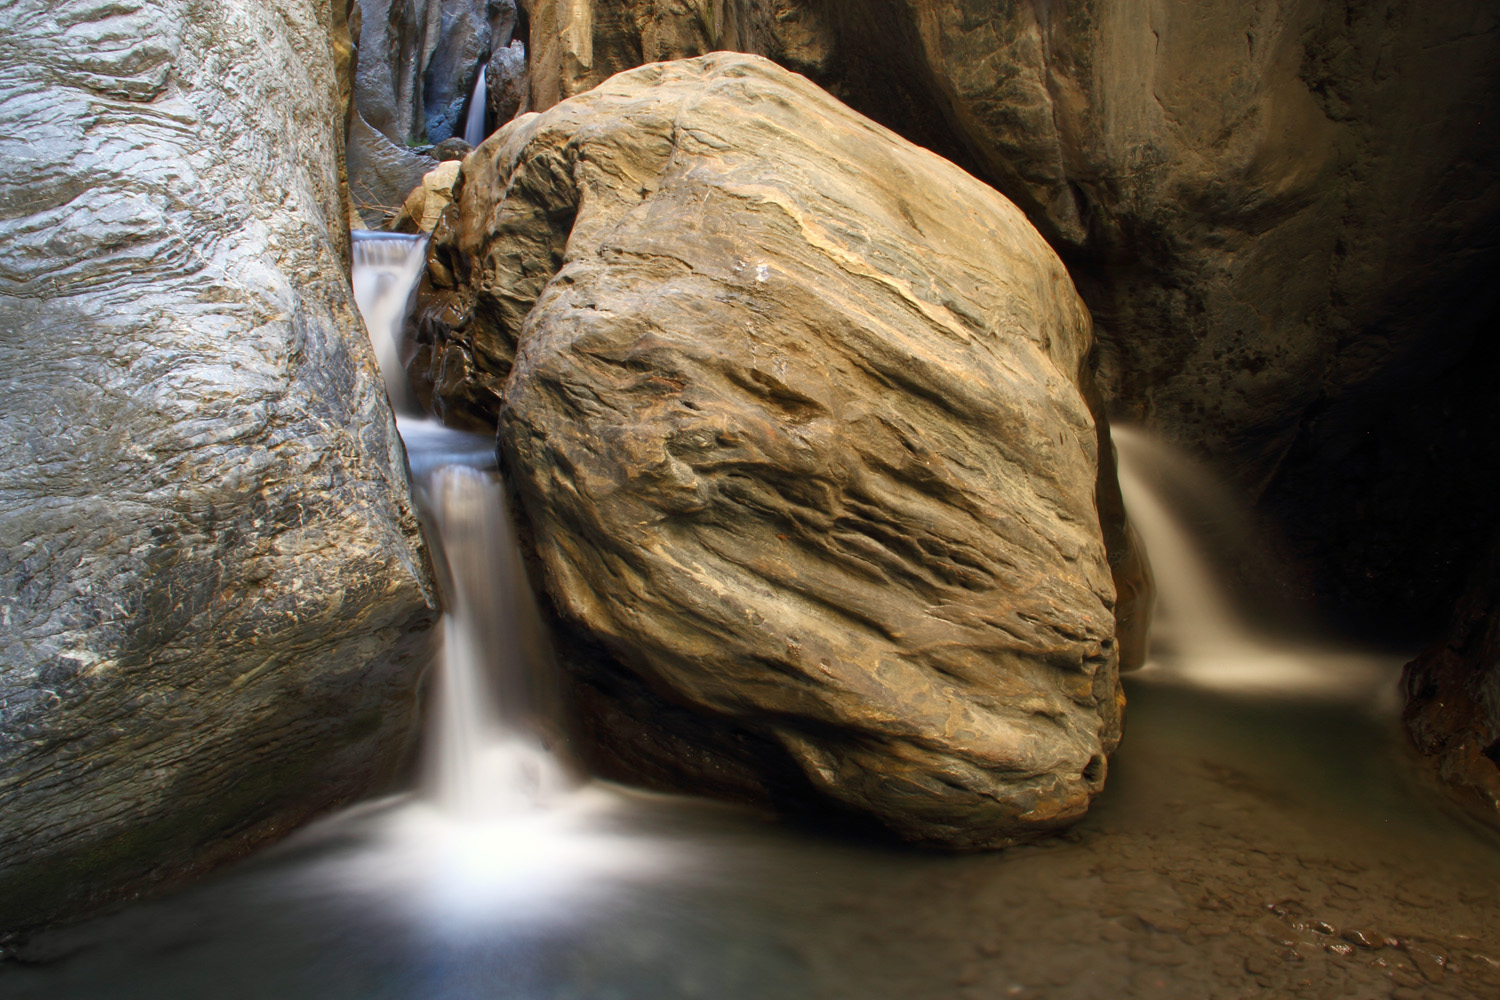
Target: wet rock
1429,963
794,412
212,585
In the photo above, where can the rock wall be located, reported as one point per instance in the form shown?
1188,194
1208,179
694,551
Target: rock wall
1279,213
796,415
213,590
1453,696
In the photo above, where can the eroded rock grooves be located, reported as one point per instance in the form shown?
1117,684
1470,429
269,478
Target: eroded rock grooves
211,578
793,408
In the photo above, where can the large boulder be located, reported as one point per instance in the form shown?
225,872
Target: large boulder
1281,215
213,592
796,414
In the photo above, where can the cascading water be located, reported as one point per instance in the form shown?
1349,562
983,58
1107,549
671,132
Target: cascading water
474,122
1197,635
485,764
386,269
501,825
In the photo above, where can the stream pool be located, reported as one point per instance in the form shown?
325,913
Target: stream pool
1246,845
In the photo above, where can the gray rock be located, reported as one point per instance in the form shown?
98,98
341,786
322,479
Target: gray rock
797,423
508,83
381,174
213,591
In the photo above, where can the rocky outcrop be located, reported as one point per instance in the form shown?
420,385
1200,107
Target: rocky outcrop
794,412
418,60
212,584
1453,696
424,206
1280,215
417,64
509,88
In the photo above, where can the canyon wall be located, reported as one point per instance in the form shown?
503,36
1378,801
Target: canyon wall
213,588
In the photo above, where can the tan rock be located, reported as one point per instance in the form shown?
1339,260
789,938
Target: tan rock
424,206
796,422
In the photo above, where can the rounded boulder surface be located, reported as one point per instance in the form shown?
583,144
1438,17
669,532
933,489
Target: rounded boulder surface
795,415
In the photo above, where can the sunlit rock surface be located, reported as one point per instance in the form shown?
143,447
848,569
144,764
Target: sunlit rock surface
797,429
424,205
211,579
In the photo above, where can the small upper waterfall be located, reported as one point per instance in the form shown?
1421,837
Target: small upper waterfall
386,269
474,122
1197,634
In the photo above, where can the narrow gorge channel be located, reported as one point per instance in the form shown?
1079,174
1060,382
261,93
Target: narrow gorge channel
749,500
1264,832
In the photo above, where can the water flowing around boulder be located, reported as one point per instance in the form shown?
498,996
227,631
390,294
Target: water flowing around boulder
796,422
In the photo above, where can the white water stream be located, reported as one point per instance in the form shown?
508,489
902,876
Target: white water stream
386,269
501,829
1198,637
474,122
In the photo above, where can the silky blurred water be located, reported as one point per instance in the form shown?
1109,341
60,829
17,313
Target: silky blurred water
1265,831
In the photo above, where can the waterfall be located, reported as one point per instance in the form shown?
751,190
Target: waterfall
1194,617
386,269
1198,636
474,131
500,830
484,762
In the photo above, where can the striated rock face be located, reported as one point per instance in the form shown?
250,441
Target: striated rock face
212,585
1453,696
1281,215
796,422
